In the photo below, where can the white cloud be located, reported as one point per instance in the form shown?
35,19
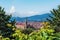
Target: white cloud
31,13
25,14
12,9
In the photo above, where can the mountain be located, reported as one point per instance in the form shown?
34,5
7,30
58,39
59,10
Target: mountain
33,18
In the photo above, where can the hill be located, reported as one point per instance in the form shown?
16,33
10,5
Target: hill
32,18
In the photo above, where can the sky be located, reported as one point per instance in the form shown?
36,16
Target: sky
25,8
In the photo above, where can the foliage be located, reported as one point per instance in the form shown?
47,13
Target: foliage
28,30
6,25
45,33
55,19
42,34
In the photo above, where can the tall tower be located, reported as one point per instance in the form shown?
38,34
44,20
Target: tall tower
26,22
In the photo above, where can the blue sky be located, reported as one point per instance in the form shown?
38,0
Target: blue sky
25,8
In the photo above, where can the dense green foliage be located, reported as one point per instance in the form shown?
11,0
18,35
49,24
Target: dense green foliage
6,26
28,29
55,19
42,34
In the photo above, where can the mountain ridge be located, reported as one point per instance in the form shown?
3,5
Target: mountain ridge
33,18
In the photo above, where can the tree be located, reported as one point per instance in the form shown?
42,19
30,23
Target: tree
28,28
6,25
54,20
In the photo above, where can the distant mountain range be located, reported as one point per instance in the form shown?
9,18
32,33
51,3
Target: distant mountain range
33,18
